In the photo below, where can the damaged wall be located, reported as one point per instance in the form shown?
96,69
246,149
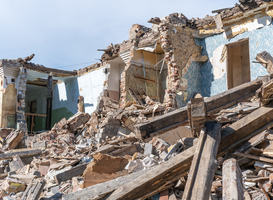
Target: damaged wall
214,76
183,56
136,68
65,94
8,106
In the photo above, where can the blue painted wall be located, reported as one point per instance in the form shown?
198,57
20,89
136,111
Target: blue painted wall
259,40
193,75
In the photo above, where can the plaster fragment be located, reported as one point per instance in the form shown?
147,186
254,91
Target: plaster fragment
219,62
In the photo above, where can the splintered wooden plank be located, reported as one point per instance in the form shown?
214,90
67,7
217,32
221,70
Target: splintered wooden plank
204,163
266,60
20,152
259,158
135,96
242,130
214,104
232,181
66,175
34,189
254,141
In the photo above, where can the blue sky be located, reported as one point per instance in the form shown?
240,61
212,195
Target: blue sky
65,33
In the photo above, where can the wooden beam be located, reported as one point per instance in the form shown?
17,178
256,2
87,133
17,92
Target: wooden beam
242,130
20,152
56,72
36,114
232,181
204,163
144,78
259,158
219,10
66,175
197,114
254,141
214,104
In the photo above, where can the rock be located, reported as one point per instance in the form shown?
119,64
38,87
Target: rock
103,168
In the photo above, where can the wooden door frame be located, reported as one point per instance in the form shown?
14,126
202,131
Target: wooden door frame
230,45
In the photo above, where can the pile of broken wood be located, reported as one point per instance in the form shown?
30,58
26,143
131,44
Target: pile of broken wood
229,156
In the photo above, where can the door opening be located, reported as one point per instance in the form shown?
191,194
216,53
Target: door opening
238,65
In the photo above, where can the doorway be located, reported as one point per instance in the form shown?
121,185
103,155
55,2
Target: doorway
238,63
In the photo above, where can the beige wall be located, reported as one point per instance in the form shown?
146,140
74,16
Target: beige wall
8,102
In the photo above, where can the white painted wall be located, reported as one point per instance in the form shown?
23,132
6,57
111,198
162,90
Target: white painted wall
114,77
90,87
219,68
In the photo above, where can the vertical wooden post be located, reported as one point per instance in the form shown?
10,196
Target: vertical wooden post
204,163
232,180
80,104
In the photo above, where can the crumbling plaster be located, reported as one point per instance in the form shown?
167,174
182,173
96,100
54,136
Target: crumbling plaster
182,54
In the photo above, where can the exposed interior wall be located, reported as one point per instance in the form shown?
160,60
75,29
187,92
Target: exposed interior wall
150,59
38,94
116,68
64,102
214,73
8,105
65,94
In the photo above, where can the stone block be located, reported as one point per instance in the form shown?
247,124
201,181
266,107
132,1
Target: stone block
43,169
55,189
16,164
77,120
38,144
148,149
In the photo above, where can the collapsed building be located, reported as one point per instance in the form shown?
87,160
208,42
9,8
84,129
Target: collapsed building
169,108
170,62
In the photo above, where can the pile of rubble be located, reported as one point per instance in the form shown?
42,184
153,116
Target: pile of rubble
229,155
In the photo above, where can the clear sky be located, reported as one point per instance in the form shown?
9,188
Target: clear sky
64,34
